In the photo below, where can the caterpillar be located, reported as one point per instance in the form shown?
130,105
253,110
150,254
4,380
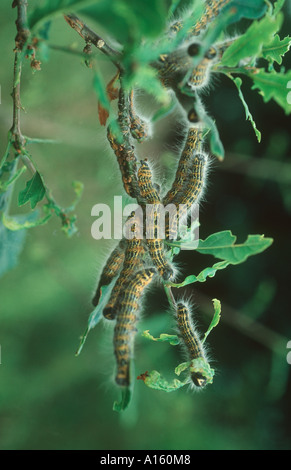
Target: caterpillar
155,245
212,10
111,269
192,144
124,151
199,75
146,187
173,67
191,341
125,324
139,128
132,261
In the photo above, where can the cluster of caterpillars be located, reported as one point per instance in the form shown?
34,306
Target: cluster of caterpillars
138,260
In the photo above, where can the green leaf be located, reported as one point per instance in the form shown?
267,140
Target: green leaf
53,8
216,318
157,382
100,90
145,77
172,339
222,246
251,43
273,85
276,49
96,314
126,396
251,9
198,366
20,222
238,83
34,191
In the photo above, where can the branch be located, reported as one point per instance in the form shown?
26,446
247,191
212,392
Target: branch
90,37
21,38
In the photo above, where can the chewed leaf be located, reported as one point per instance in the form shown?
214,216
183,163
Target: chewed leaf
276,49
96,314
33,192
251,43
126,396
222,246
157,382
20,222
273,85
172,339
238,83
201,366
215,319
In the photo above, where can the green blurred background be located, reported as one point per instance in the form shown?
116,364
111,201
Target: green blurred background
49,399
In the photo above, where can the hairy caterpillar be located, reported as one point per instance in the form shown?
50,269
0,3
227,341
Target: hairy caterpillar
190,340
111,269
155,245
199,75
132,261
192,144
139,128
125,324
124,151
192,189
212,10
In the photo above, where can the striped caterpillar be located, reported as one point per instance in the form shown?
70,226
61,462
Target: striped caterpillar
124,151
212,10
111,269
189,181
125,324
191,341
139,128
192,144
133,260
155,245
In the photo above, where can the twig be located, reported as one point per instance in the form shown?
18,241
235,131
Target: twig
90,37
21,39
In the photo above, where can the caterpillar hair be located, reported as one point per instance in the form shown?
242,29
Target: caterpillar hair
155,245
147,189
111,269
190,340
125,328
124,151
192,145
133,261
139,128
212,10
200,74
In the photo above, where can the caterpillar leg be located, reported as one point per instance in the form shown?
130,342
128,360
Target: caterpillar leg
125,329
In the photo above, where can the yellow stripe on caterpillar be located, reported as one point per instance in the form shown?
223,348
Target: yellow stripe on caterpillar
125,324
191,341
